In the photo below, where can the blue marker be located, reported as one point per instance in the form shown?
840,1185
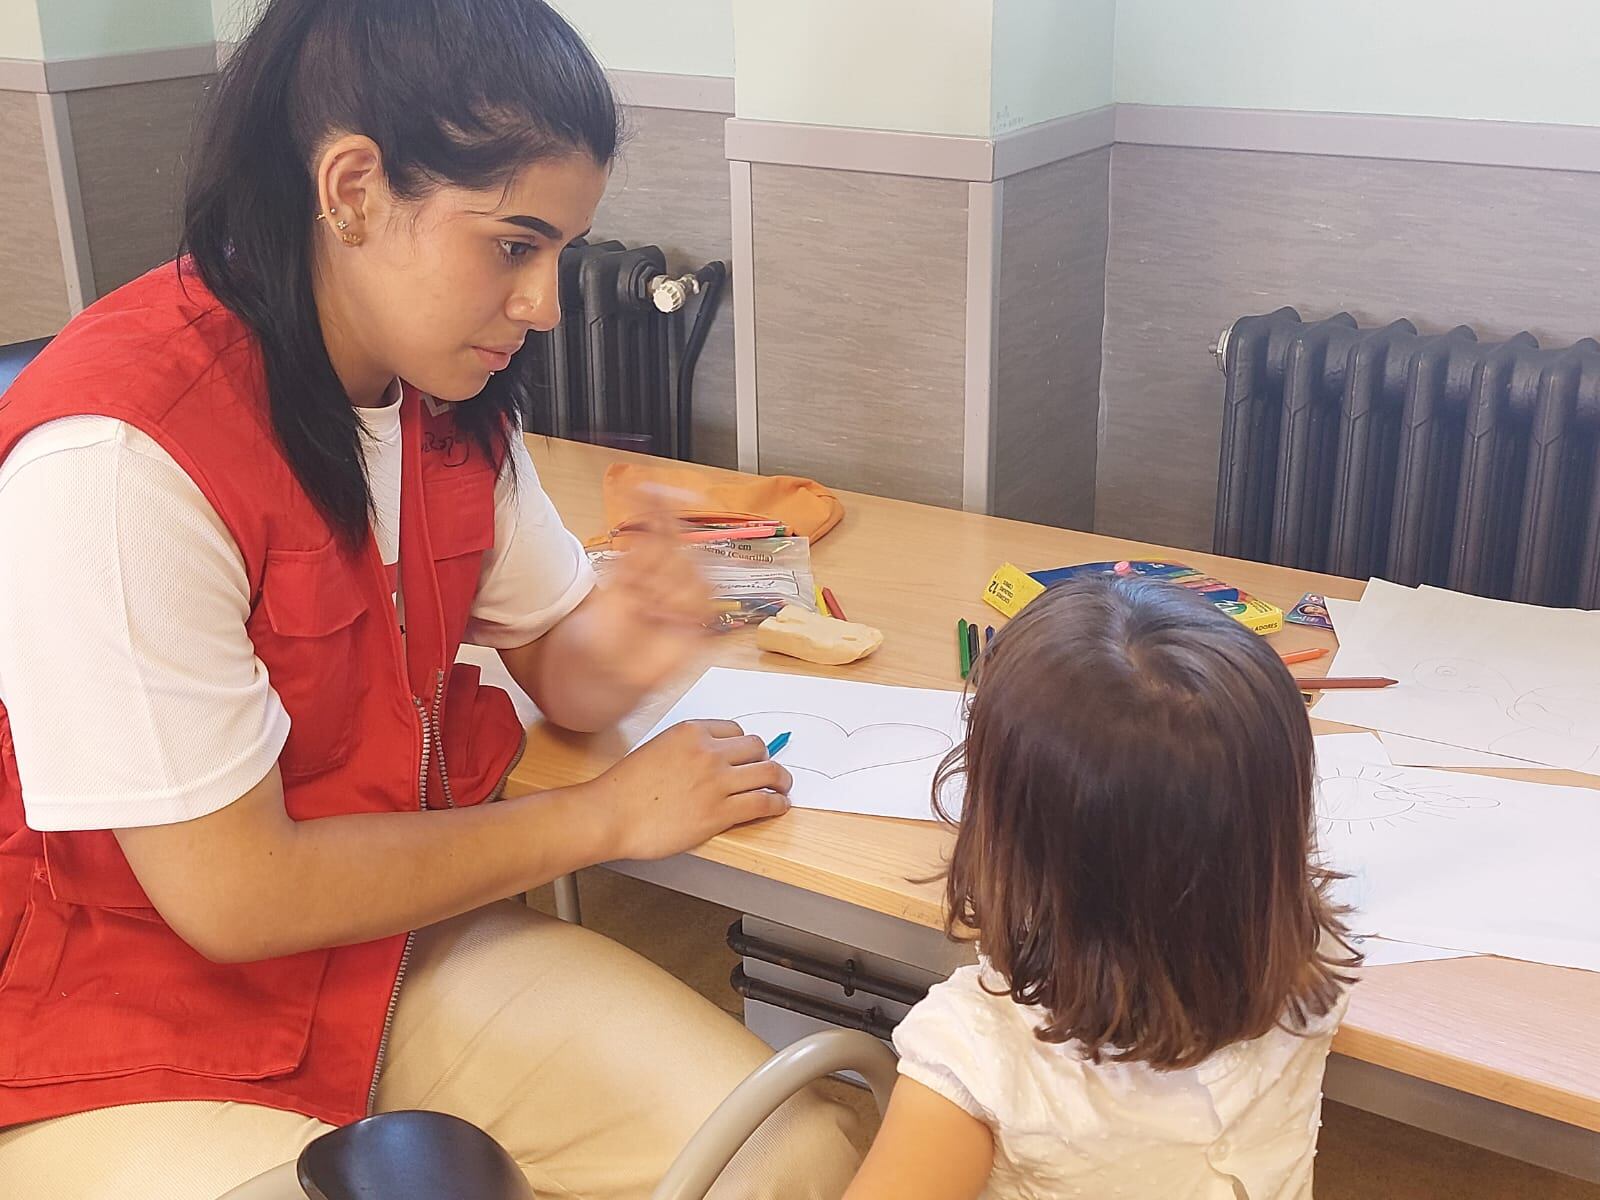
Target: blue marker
777,743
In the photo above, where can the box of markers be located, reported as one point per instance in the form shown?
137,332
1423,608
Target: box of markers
1010,589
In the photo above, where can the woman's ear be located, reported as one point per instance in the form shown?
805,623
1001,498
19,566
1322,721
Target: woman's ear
351,190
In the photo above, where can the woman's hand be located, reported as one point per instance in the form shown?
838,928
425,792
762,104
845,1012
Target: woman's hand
628,637
656,605
689,784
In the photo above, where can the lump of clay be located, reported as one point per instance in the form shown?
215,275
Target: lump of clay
815,638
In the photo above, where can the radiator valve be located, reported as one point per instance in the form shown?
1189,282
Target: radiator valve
1220,350
669,294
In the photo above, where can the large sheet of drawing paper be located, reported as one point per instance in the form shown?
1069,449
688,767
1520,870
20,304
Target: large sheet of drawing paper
1354,751
1381,952
1410,751
1510,679
1406,751
1462,862
853,747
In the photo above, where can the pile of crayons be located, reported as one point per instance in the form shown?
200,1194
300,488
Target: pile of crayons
828,603
729,531
967,644
711,528
747,610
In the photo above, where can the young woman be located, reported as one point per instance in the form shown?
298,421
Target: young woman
250,507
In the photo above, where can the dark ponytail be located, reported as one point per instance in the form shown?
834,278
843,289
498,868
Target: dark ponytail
463,92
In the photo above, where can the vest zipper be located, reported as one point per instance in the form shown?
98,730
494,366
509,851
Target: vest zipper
411,936
438,740
500,788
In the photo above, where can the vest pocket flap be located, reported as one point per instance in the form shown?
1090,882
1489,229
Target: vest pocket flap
94,994
310,593
461,515
86,866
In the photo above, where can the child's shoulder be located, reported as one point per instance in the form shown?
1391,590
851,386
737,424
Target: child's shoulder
970,1042
978,999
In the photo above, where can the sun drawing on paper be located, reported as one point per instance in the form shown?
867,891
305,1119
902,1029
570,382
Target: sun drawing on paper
1370,798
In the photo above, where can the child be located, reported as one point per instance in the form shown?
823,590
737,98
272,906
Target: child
1160,970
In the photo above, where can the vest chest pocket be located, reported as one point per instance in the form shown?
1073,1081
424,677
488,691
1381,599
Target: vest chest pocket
461,528
307,631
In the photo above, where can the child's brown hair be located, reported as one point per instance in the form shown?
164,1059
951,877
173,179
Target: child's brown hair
1136,847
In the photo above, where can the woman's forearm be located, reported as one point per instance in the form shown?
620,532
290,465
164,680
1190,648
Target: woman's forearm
248,882
274,886
377,874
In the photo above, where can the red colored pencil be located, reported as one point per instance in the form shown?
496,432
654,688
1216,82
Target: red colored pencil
834,610
1354,681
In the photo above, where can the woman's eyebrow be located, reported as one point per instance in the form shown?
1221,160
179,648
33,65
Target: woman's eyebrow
540,226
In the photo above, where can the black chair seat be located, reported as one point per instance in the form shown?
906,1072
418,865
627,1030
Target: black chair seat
16,356
410,1156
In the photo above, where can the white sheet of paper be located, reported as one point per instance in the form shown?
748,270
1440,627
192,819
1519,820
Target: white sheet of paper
1511,679
1382,952
1347,754
1405,751
854,747
1343,614
1358,749
1466,862
1416,752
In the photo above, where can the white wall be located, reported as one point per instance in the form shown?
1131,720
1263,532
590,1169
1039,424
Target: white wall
988,66
915,65
1051,58
675,37
86,28
232,19
20,36
1536,60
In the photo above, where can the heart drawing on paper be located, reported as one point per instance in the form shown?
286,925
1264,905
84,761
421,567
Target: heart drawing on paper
819,746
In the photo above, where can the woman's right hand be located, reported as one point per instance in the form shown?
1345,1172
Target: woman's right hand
688,784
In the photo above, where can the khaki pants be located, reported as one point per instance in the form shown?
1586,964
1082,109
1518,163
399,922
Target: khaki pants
589,1065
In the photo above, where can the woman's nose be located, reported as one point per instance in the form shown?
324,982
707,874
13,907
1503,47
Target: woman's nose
538,306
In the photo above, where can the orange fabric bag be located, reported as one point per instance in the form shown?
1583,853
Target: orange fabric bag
633,490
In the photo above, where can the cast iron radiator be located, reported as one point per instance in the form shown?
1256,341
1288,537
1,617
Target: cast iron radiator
618,369
1418,458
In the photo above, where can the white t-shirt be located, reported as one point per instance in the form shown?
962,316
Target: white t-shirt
133,689
1240,1126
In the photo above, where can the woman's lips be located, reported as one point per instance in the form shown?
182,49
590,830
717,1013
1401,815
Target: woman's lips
495,360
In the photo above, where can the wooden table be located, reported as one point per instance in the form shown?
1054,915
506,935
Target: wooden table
1498,1052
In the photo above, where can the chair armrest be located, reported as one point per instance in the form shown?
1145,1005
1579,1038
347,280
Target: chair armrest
728,1128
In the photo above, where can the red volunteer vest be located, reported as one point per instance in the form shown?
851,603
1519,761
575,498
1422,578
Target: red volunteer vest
101,1003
